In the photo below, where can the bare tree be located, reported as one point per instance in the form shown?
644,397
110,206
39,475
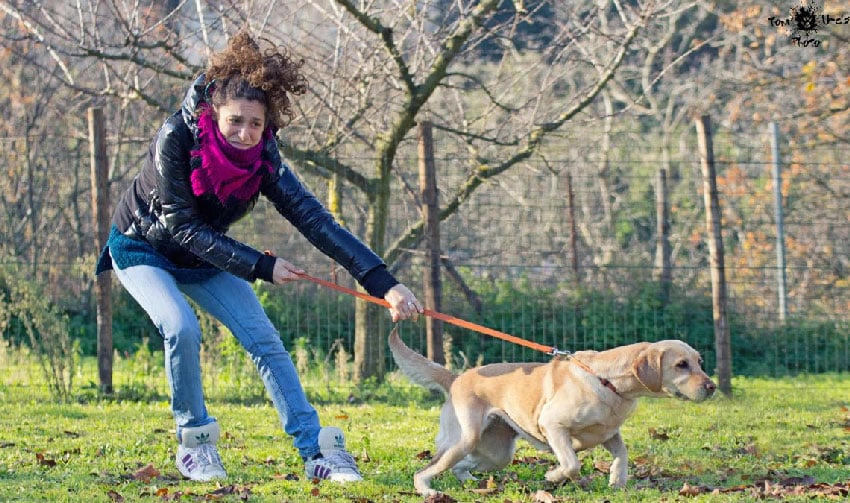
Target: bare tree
495,90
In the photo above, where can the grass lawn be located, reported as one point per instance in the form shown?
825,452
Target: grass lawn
785,439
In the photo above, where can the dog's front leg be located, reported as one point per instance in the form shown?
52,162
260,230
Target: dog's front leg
619,467
561,443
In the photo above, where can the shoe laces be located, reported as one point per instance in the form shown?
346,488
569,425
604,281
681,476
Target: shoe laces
208,455
341,460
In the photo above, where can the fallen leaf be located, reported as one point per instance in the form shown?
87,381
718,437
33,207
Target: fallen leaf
44,461
439,498
114,496
146,474
531,460
795,481
542,496
486,487
221,492
689,490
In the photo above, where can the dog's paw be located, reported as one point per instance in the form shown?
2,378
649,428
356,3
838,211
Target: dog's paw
617,483
557,475
425,490
560,474
618,476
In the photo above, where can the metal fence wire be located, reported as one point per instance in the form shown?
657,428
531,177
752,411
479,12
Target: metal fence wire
560,249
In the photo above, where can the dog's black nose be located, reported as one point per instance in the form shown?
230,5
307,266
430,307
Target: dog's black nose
710,387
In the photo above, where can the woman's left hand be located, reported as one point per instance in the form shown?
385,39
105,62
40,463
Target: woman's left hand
285,271
403,304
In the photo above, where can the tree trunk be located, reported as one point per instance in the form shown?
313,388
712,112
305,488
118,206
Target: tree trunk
368,340
432,284
101,213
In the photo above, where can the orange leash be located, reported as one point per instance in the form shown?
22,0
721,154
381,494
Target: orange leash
439,316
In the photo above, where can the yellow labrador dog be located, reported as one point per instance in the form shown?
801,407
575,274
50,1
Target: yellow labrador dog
566,405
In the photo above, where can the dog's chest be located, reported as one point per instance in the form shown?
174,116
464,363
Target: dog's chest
591,423
589,438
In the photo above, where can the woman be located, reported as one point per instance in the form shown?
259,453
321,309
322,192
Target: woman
205,169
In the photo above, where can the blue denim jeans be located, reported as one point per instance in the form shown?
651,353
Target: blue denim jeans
232,301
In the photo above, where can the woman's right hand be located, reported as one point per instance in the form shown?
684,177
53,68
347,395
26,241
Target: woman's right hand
403,304
284,272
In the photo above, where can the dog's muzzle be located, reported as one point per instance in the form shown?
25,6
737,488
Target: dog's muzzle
707,390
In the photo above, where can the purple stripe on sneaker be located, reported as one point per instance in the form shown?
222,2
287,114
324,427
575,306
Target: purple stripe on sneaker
188,462
321,472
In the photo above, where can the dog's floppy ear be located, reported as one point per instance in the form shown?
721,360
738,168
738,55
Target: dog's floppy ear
647,369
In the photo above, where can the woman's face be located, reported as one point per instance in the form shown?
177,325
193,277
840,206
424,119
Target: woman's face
241,122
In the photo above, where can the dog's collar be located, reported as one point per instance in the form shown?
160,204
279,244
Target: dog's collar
605,382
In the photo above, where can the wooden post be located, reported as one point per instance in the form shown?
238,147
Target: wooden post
430,212
663,268
571,212
101,214
780,227
715,247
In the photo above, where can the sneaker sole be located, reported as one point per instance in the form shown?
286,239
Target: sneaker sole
345,478
198,478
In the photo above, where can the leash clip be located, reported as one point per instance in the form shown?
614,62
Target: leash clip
560,352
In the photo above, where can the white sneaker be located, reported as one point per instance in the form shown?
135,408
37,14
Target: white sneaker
197,456
334,463
200,463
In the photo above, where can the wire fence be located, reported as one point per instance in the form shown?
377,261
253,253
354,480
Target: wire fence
562,250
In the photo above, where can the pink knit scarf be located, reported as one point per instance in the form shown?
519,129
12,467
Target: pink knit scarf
225,170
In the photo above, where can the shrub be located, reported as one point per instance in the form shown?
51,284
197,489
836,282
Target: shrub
25,308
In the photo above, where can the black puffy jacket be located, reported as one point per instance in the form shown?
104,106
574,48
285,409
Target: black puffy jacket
160,208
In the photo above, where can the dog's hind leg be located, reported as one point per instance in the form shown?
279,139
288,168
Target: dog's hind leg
460,432
619,468
441,462
494,450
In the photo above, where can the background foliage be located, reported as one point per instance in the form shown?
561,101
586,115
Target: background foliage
542,102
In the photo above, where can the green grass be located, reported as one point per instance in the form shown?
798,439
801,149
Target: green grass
791,430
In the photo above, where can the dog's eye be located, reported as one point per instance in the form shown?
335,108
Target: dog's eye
682,365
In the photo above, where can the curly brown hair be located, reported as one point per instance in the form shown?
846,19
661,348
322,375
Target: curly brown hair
267,74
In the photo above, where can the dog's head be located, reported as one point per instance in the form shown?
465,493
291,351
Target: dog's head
674,368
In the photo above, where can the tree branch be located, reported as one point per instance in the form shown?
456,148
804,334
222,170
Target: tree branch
411,237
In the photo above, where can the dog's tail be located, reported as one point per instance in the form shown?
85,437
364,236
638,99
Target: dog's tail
419,369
